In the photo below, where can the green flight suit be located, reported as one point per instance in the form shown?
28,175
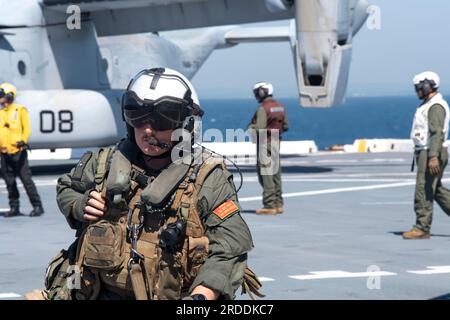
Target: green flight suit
271,184
229,239
429,187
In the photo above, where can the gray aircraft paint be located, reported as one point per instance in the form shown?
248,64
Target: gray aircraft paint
73,79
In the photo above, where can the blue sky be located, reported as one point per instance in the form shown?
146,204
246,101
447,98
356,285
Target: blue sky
414,36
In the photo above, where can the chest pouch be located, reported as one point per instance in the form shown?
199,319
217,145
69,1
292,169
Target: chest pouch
117,184
158,195
104,245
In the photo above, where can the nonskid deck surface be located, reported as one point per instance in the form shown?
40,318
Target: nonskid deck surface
339,237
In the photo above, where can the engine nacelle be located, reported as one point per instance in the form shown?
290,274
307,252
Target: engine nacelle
322,48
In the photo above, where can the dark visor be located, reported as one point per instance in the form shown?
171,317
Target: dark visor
164,113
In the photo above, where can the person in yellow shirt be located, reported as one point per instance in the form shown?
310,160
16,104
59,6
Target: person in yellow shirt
14,133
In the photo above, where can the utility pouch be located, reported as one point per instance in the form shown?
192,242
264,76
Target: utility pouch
197,255
162,188
56,277
117,184
61,274
103,245
169,276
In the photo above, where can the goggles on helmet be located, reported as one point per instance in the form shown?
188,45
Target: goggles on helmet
165,113
418,87
2,93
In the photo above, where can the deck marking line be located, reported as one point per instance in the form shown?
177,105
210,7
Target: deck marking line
431,270
337,274
335,190
9,295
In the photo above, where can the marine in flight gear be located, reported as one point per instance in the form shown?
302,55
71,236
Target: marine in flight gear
429,133
269,122
151,225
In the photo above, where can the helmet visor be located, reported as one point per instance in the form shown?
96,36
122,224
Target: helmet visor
418,87
2,93
166,113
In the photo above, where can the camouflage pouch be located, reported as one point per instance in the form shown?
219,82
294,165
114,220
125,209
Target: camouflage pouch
197,255
104,245
59,275
169,276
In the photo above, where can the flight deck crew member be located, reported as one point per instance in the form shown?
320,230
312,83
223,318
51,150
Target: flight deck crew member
269,119
14,133
429,133
148,225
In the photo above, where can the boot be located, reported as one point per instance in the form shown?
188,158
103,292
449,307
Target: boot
280,210
416,234
13,211
36,294
37,211
266,211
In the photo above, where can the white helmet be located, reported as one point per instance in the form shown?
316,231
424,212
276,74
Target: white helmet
162,97
262,90
427,81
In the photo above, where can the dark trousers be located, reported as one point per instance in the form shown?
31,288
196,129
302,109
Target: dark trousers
14,165
428,189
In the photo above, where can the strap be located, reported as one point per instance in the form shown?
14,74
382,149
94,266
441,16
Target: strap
138,175
137,281
208,166
102,167
78,172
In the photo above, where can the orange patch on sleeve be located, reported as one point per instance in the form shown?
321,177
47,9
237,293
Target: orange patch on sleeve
225,209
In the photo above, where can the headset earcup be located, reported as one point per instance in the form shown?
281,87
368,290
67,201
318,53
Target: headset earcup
262,93
9,97
426,88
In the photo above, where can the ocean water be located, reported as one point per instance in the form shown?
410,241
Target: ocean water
359,117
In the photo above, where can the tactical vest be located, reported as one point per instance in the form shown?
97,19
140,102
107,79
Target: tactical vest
124,252
275,114
420,132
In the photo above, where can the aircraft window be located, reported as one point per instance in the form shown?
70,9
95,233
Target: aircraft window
22,67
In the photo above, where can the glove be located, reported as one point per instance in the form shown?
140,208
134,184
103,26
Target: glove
20,144
434,166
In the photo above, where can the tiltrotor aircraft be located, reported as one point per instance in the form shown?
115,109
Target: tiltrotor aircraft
72,59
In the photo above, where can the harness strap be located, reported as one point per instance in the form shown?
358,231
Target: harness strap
102,167
137,281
